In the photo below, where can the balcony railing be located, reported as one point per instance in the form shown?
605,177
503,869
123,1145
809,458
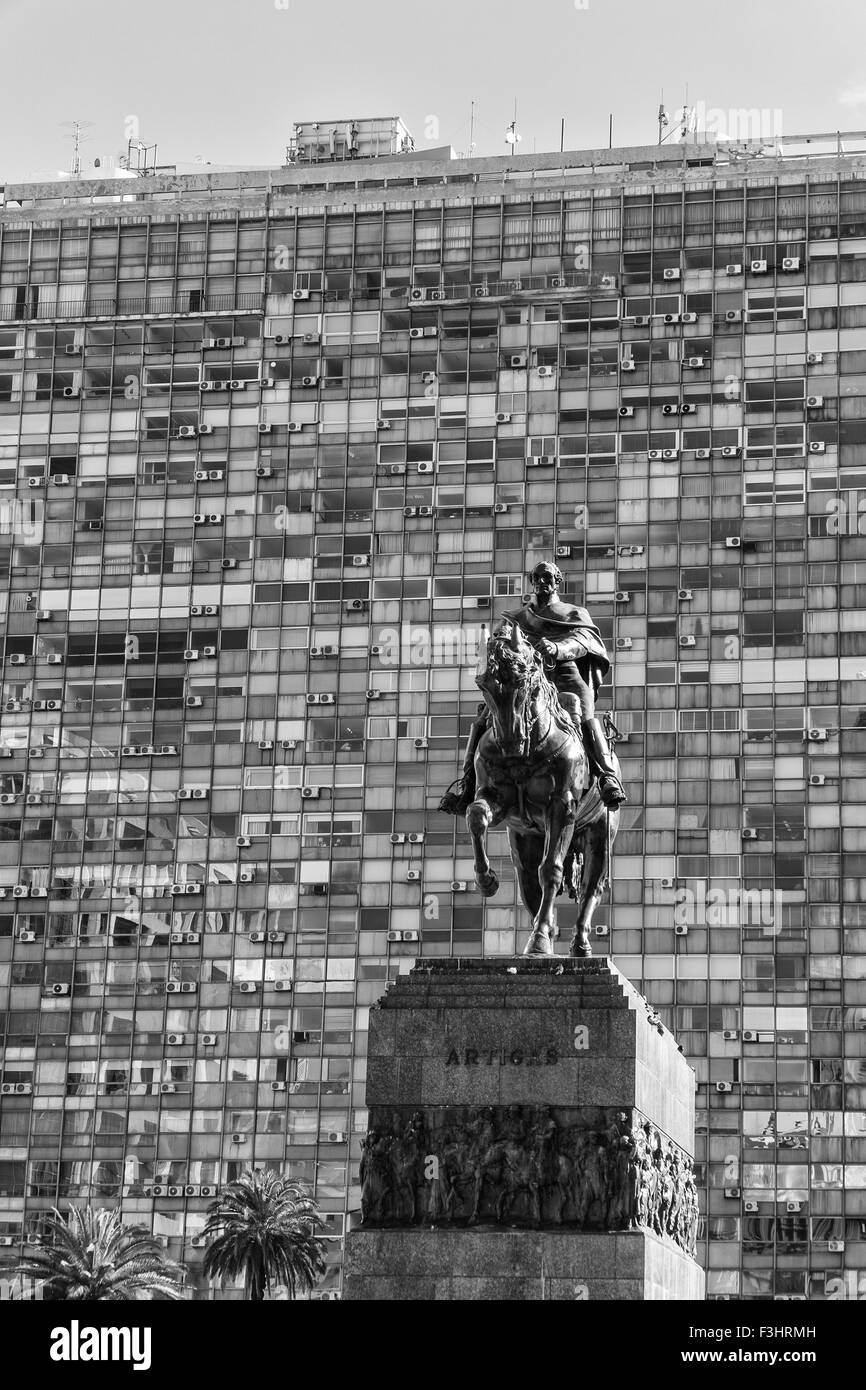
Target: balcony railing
188,303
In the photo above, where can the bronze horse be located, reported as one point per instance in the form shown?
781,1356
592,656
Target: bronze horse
532,775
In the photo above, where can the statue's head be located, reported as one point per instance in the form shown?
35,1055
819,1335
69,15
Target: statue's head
546,579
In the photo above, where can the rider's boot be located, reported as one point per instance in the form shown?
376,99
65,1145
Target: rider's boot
610,787
461,794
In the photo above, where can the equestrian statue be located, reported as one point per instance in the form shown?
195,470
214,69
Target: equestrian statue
539,762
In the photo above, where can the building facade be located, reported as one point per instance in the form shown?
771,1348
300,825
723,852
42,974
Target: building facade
274,447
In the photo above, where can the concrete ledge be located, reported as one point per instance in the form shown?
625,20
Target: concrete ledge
486,1264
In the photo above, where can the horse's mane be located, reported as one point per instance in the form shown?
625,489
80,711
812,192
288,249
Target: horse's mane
530,668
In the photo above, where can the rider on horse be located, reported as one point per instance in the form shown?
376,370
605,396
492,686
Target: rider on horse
576,662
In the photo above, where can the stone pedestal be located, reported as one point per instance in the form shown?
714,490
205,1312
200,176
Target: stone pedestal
531,1136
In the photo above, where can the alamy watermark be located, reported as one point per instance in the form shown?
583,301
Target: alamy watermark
729,907
738,122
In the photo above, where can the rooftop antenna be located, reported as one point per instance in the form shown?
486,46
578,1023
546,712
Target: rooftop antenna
78,138
511,135
663,118
471,129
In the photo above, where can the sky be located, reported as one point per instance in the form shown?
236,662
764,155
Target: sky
221,81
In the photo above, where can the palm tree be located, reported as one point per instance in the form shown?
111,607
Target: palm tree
264,1227
90,1254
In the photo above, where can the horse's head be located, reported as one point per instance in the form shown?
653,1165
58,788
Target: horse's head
509,679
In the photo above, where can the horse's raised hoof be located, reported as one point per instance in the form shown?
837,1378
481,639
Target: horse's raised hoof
580,949
488,883
539,944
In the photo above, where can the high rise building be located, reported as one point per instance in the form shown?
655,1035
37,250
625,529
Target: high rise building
274,446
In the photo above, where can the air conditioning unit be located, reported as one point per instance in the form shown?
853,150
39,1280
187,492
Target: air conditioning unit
264,428
426,467
836,1247
373,695
294,427
749,1035
813,358
59,989
266,383
749,834
681,930
546,371
417,294
542,461
654,455
500,507
17,659
626,364
622,596
694,362
733,542
276,938
733,1192
413,875
670,453
336,1136
817,779
790,262
238,1138
300,294
688,318
733,269
309,381
416,332
175,1039
626,412
817,735
247,876
278,1086
670,318
750,1206
667,882
229,564
356,605
563,552
436,295
43,615
264,472
382,424
36,482
27,937
624,644
684,594
813,402
247,986
459,885
167,1088
642,320
21,890
420,742
688,641
193,702
733,316
703,453
793,1207
416,837
758,267
731,451
71,392
502,417
817,446
687,409
672,273
311,793
208,651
